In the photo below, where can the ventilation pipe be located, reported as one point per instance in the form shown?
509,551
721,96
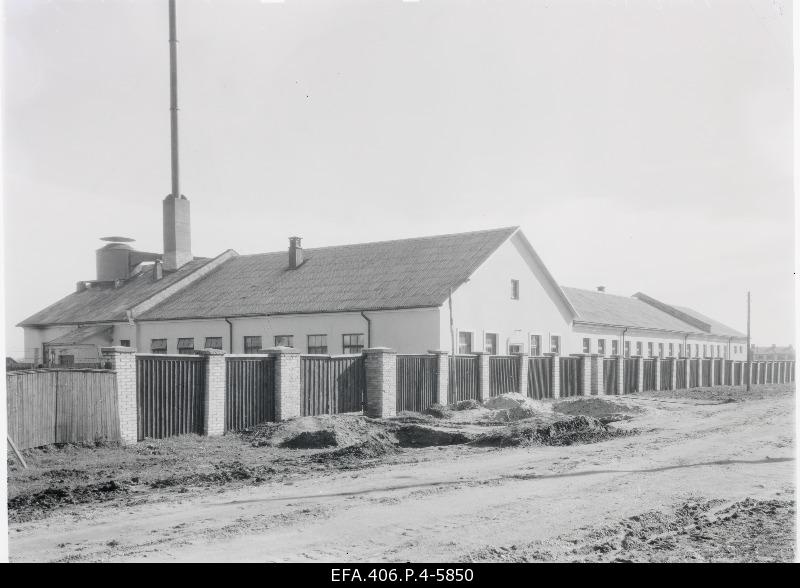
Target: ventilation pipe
295,253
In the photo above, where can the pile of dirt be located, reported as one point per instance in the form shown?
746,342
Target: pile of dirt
314,432
513,407
418,436
355,455
605,410
470,404
28,506
579,429
439,411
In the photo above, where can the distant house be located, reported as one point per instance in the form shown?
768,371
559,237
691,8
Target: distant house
772,353
468,292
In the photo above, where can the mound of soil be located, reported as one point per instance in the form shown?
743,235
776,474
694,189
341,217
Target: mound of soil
314,432
470,404
506,401
606,410
417,436
580,429
33,505
439,411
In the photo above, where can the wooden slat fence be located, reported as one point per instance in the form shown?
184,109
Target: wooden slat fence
463,378
170,390
705,373
249,391
610,375
417,382
540,376
571,377
762,372
51,405
503,374
630,375
666,374
649,375
680,374
332,384
694,373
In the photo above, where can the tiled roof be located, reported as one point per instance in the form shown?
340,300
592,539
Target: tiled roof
717,328
106,303
408,273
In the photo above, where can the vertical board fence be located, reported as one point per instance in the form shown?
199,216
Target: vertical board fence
503,374
680,375
571,377
694,373
666,374
463,378
47,406
170,391
630,375
249,391
649,379
610,375
540,376
417,382
705,374
332,384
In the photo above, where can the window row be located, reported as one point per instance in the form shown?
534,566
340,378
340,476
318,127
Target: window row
658,349
352,343
466,344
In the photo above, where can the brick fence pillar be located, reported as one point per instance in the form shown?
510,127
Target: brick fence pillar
123,362
597,381
555,372
484,379
288,396
522,369
381,367
442,375
639,373
620,375
214,401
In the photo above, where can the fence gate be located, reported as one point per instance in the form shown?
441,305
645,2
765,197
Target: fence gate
503,374
170,392
610,375
571,377
332,384
463,378
540,376
631,375
417,382
649,375
249,391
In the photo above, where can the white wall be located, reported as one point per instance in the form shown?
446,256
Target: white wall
484,304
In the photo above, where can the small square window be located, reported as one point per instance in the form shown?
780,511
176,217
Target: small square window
186,345
490,346
284,340
515,289
536,345
124,342
213,343
252,344
318,344
352,344
158,346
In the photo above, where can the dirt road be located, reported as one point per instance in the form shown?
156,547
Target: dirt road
454,503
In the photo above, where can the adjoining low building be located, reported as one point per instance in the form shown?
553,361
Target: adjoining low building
772,353
479,291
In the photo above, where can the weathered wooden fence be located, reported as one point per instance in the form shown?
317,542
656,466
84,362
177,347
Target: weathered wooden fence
571,377
680,374
249,391
630,375
503,374
610,375
47,406
332,384
540,377
417,382
694,373
649,374
705,372
170,391
463,378
666,374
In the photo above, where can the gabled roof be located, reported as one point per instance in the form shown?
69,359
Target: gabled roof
717,328
80,334
103,303
407,273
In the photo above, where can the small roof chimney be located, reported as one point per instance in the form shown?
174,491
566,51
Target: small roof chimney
295,253
601,288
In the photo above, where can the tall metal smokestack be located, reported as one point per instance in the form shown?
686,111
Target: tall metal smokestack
177,226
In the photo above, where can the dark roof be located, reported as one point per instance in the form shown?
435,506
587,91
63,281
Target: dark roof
408,273
626,311
104,303
80,334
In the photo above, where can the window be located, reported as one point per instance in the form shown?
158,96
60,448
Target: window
353,344
639,348
536,345
719,351
515,348
515,289
284,340
158,346
614,347
66,360
688,351
555,344
601,346
252,344
490,345
627,348
697,349
661,350
587,345
464,342
213,343
680,350
186,346
649,349
125,342
705,351
672,350
318,344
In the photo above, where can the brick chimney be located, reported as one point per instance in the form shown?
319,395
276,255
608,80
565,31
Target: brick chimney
295,253
177,233
601,288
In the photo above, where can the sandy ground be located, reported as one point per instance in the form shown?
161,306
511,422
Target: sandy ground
459,503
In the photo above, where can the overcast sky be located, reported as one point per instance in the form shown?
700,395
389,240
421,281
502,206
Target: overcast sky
643,145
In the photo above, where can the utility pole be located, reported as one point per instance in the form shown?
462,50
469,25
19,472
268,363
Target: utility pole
452,331
749,364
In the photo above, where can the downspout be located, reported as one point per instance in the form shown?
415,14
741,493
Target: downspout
230,335
369,329
622,348
686,352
